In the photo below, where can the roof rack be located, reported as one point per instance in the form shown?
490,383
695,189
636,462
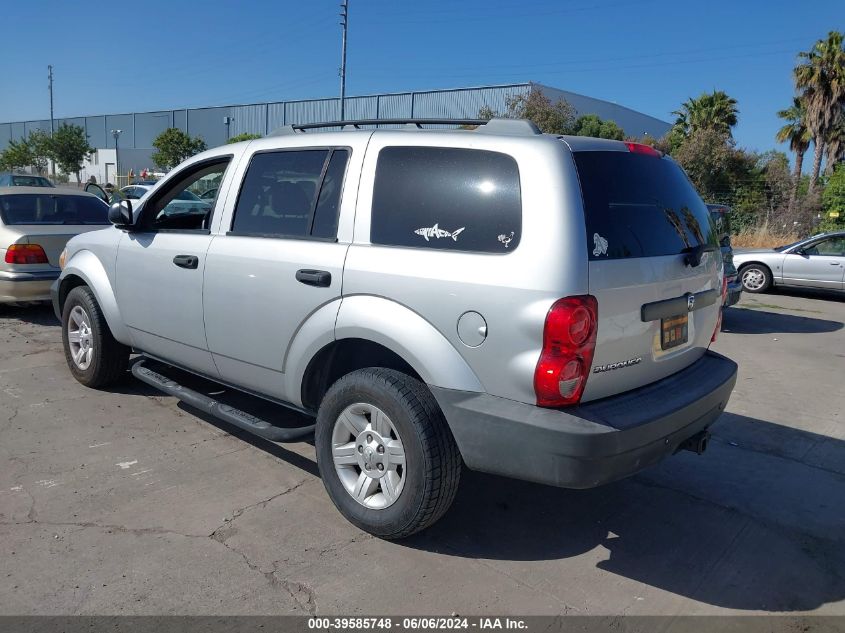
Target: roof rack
516,127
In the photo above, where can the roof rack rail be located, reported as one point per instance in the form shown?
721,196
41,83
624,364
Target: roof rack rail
516,127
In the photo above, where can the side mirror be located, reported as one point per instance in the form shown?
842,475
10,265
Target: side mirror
120,213
800,251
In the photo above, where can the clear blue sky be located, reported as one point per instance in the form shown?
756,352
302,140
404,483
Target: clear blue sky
649,55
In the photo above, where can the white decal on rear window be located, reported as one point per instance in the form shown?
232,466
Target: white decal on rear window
600,243
506,239
435,231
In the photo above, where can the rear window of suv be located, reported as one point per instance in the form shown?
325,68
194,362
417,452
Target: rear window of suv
639,205
446,198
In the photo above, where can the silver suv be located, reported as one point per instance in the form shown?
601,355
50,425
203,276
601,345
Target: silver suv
529,305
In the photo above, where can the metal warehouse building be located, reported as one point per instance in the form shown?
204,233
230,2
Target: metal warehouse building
216,124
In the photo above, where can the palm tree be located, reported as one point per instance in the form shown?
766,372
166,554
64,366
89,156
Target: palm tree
834,146
795,133
820,77
711,111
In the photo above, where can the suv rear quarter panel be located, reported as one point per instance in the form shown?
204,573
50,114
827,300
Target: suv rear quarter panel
512,290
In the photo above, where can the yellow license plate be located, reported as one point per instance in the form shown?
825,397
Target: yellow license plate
674,331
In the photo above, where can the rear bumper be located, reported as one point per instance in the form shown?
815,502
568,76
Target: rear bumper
26,286
594,443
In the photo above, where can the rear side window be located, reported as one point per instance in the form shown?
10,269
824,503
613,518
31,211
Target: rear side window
52,209
638,205
291,194
446,198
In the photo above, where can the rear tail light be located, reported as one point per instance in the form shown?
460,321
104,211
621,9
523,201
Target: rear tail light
569,341
641,148
26,254
721,309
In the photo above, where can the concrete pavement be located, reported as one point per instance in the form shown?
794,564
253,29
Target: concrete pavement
126,502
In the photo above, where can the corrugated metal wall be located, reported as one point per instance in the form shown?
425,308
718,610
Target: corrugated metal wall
139,129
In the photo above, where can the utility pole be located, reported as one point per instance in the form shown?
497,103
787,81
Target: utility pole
344,17
50,79
116,135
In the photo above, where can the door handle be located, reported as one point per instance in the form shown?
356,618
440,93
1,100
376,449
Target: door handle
834,263
186,261
319,278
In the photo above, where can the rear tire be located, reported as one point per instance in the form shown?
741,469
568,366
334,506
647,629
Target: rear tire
93,355
755,278
386,455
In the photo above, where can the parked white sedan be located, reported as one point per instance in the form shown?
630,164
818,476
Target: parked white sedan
815,262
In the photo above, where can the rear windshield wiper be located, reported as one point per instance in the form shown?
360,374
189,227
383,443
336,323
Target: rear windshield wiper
694,254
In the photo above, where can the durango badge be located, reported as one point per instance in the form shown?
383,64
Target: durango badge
598,369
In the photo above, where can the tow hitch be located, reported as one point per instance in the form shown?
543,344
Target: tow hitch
697,443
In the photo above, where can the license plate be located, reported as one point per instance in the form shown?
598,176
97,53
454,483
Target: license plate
674,331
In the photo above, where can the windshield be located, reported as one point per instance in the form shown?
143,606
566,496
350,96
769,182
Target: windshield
637,205
52,209
780,249
30,181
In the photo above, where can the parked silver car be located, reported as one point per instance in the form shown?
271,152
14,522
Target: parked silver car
815,262
530,305
35,225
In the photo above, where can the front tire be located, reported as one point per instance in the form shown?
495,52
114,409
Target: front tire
93,355
386,455
755,278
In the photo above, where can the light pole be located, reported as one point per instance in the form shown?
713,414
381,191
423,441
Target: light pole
344,15
116,135
50,79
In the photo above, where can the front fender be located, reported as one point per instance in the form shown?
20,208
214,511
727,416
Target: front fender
88,267
409,335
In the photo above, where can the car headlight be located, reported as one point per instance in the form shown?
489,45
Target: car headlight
62,258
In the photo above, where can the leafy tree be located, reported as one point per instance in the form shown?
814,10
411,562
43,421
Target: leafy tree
16,155
707,157
40,145
820,78
246,136
173,146
551,118
32,151
795,133
593,125
711,111
833,199
69,148
834,147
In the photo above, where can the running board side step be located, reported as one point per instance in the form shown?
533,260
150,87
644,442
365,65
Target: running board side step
240,419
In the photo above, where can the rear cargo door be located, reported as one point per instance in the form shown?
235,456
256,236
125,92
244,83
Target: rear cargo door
655,267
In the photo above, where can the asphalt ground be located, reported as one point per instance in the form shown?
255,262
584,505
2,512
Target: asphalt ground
128,502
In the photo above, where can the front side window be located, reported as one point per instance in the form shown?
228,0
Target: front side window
176,207
834,246
52,209
446,198
291,193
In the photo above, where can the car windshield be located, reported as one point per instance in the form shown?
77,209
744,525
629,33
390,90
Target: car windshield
780,249
52,209
30,181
